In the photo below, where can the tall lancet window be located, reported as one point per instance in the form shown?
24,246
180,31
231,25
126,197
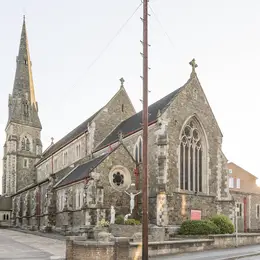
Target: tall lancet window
138,150
192,150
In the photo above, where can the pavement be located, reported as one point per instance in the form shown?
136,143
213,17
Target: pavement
242,253
18,245
23,246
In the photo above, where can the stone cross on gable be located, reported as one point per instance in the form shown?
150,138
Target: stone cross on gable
52,140
122,82
194,65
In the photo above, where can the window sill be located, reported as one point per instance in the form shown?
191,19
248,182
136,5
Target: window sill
201,194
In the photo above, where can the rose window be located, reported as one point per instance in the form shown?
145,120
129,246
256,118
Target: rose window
118,178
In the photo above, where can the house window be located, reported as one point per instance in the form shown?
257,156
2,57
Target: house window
230,171
191,158
25,163
239,209
4,216
238,183
231,182
138,150
7,217
257,211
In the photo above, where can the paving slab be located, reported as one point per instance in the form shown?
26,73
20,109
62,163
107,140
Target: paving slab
19,245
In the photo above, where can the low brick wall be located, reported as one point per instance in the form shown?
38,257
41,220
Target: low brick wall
124,230
229,240
77,248
120,248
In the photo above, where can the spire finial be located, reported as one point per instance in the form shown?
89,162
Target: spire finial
122,82
194,65
52,141
23,18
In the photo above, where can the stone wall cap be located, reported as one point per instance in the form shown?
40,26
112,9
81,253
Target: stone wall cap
93,243
188,241
233,235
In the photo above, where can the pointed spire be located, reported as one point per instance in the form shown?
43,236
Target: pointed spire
24,63
23,96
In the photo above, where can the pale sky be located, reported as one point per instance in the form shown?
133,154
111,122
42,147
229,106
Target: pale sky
65,37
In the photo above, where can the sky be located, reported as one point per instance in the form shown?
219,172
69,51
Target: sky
76,70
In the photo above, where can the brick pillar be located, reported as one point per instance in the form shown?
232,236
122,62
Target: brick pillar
121,248
69,249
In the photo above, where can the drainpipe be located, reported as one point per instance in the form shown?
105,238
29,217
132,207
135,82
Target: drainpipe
245,215
136,186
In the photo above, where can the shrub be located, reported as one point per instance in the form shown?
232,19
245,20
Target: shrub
198,227
132,221
224,224
103,223
119,220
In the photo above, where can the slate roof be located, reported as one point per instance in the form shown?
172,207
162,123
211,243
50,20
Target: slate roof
5,203
134,123
82,171
67,138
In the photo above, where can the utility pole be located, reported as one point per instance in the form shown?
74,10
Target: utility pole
145,132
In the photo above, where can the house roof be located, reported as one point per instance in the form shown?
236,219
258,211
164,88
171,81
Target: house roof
134,123
82,171
231,163
67,138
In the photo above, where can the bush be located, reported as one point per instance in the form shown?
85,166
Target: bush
198,227
132,221
120,220
224,224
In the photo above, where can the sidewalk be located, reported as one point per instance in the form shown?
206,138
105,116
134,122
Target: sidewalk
219,254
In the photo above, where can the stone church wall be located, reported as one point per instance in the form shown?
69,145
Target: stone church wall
117,110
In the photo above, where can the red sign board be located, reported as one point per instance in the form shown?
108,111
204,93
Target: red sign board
195,214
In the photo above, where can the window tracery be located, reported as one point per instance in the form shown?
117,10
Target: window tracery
191,157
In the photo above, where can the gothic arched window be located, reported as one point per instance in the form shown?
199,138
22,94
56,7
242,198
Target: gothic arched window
27,144
23,144
138,150
191,157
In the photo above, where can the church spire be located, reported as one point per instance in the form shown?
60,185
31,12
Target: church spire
24,68
23,96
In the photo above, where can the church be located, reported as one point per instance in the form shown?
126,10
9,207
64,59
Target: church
76,180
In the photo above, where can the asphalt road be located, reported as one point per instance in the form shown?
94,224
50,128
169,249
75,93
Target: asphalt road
17,245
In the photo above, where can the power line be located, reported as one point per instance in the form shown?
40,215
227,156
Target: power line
165,32
112,39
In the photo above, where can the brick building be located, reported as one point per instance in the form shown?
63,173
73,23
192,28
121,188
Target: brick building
246,194
75,181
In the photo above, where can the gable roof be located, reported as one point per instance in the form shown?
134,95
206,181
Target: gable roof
67,138
134,123
231,163
82,171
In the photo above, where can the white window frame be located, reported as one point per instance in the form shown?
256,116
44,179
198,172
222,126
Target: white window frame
229,183
238,181
240,214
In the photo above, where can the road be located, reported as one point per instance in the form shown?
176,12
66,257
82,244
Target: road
241,253
21,246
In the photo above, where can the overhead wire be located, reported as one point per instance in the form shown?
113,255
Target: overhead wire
162,27
112,39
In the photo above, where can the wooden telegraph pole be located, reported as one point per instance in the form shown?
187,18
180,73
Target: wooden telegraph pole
145,132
